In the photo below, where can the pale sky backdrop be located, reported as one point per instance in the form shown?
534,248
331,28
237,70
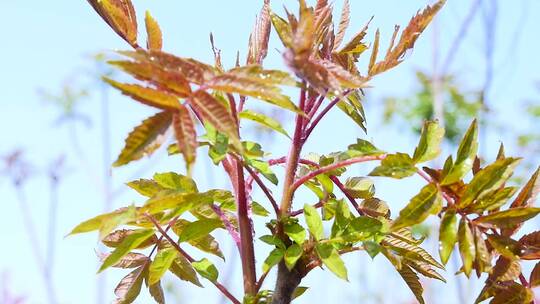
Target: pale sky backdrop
48,43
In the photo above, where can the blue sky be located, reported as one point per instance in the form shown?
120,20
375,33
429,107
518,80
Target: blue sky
46,43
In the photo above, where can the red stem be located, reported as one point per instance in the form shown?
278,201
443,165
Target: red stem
316,121
292,159
263,187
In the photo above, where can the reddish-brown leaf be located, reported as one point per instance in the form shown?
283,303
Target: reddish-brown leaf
531,246
170,81
148,96
116,237
130,260
130,286
120,16
343,24
145,138
534,280
186,135
154,40
258,40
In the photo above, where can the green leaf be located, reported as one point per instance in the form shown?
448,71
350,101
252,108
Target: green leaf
263,120
466,246
352,107
360,187
507,218
298,291
144,139
292,254
448,232
161,263
175,181
181,202
430,141
198,229
363,148
153,33
258,209
314,222
107,222
183,269
295,231
465,156
146,187
131,242
273,240
372,248
205,243
397,165
365,224
130,286
493,199
331,259
283,30
505,246
273,259
490,178
263,168
375,207
419,208
206,269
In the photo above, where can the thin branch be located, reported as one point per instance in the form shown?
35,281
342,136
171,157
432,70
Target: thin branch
221,288
292,159
263,187
319,117
261,280
430,180
331,167
228,225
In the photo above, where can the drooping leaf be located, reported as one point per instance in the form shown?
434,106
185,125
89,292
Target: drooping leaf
314,222
505,246
448,232
185,134
399,165
419,208
273,240
161,263
364,147
216,114
144,139
488,179
206,269
483,257
331,259
352,106
120,16
292,254
156,291
205,243
130,286
154,37
131,242
412,280
264,168
263,120
107,222
425,269
258,209
465,156
466,246
182,268
507,218
430,141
